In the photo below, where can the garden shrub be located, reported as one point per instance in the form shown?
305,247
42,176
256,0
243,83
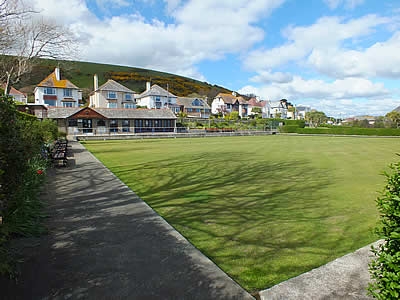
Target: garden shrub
385,269
351,131
289,128
22,173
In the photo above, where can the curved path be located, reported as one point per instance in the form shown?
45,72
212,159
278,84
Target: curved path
106,243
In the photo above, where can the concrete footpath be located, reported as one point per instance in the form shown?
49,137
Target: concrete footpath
106,243
344,278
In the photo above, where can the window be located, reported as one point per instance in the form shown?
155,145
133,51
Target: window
158,99
158,104
125,126
68,93
72,123
129,105
113,126
68,104
169,100
128,97
197,102
112,105
50,102
101,123
49,91
112,95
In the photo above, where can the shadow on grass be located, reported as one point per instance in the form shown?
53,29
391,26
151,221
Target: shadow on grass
105,243
261,222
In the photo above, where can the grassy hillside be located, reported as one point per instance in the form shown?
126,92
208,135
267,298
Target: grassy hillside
81,74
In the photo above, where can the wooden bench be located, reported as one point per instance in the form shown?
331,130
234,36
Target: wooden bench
59,152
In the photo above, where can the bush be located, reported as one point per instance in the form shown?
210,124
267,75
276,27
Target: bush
22,172
289,128
351,131
385,269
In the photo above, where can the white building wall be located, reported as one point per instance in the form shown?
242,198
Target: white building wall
39,96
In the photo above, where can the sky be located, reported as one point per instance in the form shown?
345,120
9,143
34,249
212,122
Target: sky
341,57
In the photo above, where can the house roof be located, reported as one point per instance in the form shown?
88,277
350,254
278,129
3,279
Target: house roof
13,90
112,113
112,85
254,103
132,113
61,112
188,102
51,81
156,90
229,98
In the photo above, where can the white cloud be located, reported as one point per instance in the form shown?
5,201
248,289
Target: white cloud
320,47
176,48
268,77
331,97
380,60
348,4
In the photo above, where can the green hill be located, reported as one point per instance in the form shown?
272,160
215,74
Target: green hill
81,74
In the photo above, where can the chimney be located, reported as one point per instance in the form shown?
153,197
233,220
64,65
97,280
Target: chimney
96,82
57,72
148,86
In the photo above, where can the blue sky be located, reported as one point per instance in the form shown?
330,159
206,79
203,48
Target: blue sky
338,56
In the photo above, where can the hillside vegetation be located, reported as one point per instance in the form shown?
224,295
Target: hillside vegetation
81,74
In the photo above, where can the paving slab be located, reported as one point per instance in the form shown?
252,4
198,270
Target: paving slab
344,278
104,242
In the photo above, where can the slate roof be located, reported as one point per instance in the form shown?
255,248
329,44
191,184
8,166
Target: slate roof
132,113
51,81
188,102
113,113
156,90
229,98
112,85
61,112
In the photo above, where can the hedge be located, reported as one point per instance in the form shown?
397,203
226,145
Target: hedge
351,131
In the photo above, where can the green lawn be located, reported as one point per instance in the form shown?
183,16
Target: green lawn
264,209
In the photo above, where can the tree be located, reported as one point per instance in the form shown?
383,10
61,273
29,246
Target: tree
394,116
25,38
315,118
233,116
385,269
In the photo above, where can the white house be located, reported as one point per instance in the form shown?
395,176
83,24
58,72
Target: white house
155,97
262,105
54,91
301,111
279,109
17,95
111,95
226,103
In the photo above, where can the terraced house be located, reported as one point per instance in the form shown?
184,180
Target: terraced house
56,92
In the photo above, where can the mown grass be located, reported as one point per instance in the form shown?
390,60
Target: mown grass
264,209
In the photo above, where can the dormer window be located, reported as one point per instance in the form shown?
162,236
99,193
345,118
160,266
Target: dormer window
197,102
112,95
